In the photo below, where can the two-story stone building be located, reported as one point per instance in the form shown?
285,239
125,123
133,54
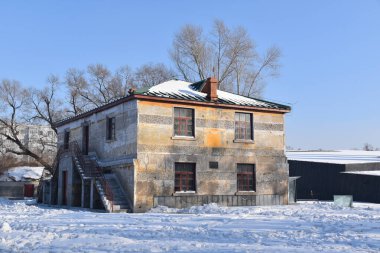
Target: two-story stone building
174,144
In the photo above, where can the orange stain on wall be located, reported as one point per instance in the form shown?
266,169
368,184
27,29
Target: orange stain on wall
213,138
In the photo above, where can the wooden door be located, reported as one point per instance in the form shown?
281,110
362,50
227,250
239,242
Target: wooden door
28,190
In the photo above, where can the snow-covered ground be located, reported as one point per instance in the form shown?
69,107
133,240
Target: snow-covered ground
305,227
22,173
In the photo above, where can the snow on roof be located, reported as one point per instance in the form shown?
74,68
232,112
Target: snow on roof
23,173
176,89
190,91
338,157
364,172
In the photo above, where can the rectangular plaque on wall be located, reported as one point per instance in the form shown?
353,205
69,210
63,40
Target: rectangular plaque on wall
213,165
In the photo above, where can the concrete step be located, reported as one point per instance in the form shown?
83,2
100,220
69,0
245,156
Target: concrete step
122,211
119,203
119,207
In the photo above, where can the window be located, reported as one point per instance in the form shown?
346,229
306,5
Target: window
66,140
246,178
184,177
183,122
111,128
243,126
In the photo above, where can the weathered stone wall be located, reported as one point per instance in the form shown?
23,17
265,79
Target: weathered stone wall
125,124
66,166
115,152
144,135
158,150
125,176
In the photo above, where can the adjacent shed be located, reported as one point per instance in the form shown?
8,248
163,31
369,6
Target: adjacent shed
19,182
325,174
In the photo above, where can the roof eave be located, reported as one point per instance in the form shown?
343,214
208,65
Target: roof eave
212,104
95,110
168,100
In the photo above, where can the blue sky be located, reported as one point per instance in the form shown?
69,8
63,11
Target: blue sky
330,71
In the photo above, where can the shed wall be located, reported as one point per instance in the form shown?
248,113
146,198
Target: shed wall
324,180
317,180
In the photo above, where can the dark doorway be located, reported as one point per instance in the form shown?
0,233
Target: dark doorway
64,187
28,190
85,139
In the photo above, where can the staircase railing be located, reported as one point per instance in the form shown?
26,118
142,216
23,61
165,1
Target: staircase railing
92,169
88,170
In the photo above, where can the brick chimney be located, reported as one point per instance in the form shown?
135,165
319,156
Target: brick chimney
211,88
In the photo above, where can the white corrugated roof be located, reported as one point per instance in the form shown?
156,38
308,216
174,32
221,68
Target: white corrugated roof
338,157
366,172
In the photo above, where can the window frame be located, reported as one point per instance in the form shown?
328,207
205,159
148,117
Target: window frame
251,118
110,128
175,135
185,175
244,176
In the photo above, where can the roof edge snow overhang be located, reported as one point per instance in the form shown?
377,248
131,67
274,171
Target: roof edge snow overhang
168,100
212,104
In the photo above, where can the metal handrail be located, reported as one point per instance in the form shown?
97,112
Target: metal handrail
92,170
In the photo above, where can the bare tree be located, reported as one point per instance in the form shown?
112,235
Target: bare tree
229,55
97,86
191,53
15,111
45,105
152,74
368,147
76,83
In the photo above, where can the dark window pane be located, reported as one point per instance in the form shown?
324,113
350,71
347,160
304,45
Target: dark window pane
110,128
184,177
247,117
246,180
183,122
243,126
66,140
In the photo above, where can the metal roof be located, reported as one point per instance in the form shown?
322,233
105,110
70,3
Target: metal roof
175,89
192,91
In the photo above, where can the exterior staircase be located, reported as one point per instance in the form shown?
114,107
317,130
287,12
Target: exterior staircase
81,168
111,193
119,203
